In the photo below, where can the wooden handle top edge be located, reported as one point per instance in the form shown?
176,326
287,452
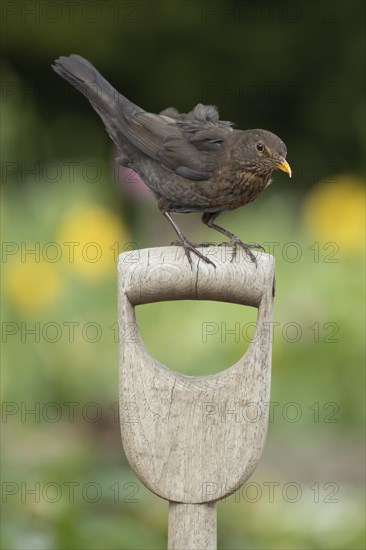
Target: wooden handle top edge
164,274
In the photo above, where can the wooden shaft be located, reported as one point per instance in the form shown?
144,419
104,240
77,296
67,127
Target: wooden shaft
192,526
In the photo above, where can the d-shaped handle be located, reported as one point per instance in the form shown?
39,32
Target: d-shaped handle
194,439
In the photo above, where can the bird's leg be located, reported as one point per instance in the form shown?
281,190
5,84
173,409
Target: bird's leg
187,245
208,219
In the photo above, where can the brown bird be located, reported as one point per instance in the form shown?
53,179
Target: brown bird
191,162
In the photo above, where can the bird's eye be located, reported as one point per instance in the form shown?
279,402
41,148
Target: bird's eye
260,147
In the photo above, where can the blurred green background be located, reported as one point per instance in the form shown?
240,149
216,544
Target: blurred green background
295,68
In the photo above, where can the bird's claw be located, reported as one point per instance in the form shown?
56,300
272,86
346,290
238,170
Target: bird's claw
256,245
192,247
235,242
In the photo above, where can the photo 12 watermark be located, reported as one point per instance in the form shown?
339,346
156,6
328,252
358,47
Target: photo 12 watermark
209,412
274,492
72,492
70,11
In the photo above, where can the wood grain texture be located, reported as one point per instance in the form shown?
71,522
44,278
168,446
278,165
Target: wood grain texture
193,439
192,526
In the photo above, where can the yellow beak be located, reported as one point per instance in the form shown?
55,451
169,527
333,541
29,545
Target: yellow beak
284,166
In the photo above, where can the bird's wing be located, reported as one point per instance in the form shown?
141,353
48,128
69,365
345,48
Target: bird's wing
187,144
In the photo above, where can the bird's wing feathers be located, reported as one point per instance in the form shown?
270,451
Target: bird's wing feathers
188,144
148,131
181,156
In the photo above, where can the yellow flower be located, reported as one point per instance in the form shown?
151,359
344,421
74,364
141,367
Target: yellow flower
90,237
30,284
335,212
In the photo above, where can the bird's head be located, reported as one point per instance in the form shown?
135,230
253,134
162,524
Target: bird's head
264,151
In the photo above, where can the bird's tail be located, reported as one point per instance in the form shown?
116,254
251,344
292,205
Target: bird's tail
108,103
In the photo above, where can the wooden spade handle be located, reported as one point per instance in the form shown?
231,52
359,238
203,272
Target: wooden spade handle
191,439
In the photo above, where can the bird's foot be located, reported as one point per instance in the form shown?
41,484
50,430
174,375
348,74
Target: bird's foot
236,243
192,247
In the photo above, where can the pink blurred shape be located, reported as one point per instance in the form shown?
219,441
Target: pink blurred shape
129,181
